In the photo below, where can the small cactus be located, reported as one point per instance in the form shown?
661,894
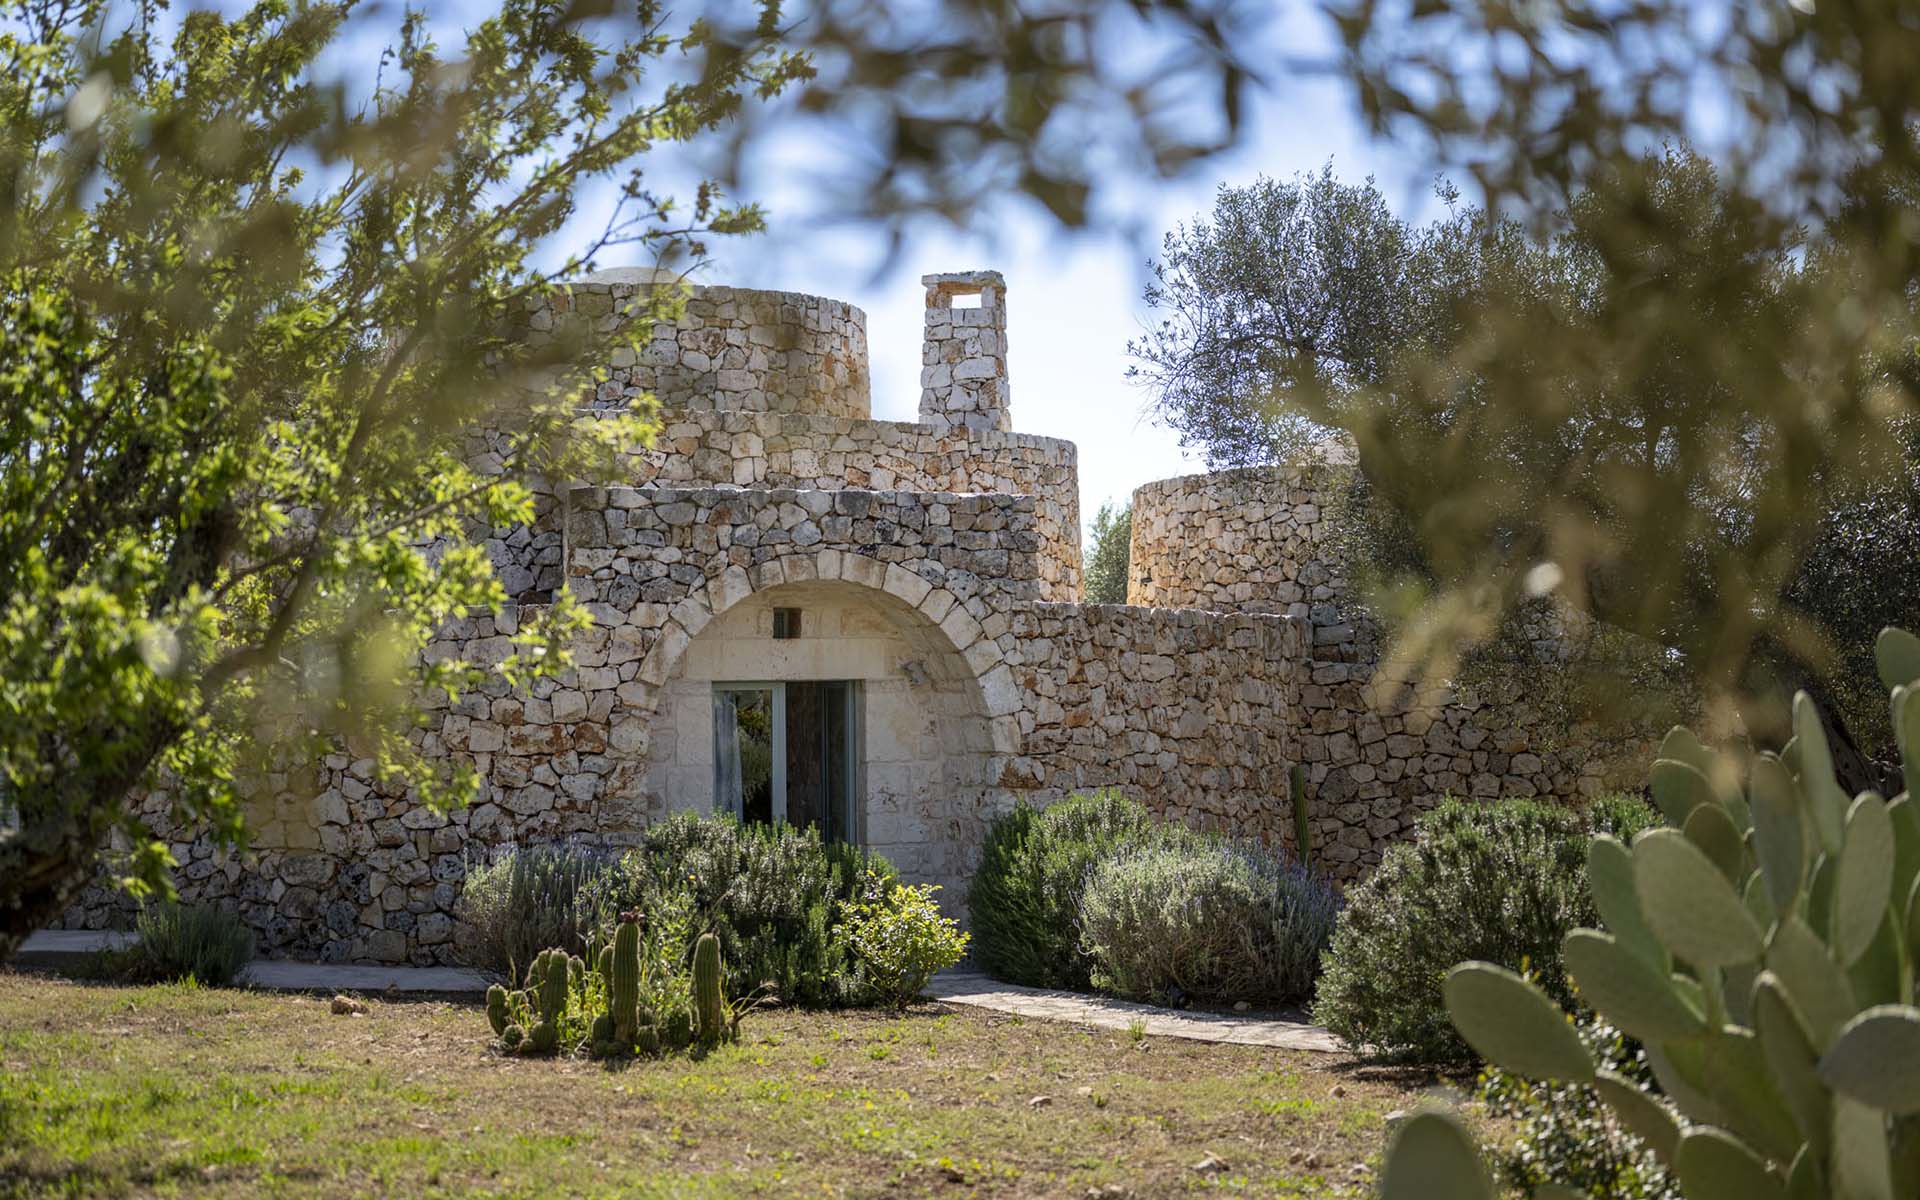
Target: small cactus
497,1009
709,1002
623,981
647,1039
511,1037
548,986
678,1031
1302,827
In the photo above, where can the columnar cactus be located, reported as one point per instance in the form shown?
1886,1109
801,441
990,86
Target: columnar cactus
547,987
497,1009
1302,826
623,981
710,1019
1763,949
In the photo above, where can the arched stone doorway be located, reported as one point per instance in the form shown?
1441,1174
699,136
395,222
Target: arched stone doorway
920,747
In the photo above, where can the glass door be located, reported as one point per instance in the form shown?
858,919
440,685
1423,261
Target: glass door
788,751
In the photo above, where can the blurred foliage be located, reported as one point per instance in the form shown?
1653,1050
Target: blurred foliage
1109,550
948,107
1761,323
1510,446
251,314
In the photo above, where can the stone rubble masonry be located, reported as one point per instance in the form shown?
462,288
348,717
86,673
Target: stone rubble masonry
734,349
963,359
950,547
1376,756
806,451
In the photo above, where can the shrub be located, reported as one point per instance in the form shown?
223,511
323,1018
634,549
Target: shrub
1024,904
901,940
771,893
534,898
1565,1135
1501,882
1205,920
189,941
1760,949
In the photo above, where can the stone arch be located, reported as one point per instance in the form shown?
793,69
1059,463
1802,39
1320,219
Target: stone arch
940,708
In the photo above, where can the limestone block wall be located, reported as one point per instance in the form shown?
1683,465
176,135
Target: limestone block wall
963,362
1376,758
1254,541
735,348
1234,541
1189,712
809,451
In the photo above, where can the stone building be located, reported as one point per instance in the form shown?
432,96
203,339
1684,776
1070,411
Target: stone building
805,614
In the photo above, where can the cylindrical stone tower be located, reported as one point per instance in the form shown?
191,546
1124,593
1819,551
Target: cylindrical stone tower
963,371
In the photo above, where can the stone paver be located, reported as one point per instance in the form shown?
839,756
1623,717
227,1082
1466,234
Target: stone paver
976,990
51,946
281,975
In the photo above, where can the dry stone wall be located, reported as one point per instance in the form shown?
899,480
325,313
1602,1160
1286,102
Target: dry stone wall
1186,711
1247,540
808,451
734,348
1255,540
963,362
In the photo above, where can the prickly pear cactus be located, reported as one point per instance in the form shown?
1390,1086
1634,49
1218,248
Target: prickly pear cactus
711,1021
1763,949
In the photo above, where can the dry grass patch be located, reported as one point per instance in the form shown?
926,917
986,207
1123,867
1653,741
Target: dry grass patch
108,1091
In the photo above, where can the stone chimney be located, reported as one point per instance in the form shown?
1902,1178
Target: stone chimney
963,356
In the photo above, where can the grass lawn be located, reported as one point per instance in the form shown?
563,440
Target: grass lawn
179,1090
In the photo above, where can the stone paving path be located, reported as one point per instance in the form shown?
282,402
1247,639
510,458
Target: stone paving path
955,987
974,989
51,946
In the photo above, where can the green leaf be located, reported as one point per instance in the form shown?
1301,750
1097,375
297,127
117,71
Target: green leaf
1680,1069
1735,1072
1514,1025
1906,729
1815,983
1825,800
1862,1161
1644,1116
1432,1157
1627,989
1713,1165
1906,843
1710,828
1864,884
1681,745
1690,905
1876,1059
1779,830
1790,1056
1897,655
1876,975
1805,1181
1678,788
1610,880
